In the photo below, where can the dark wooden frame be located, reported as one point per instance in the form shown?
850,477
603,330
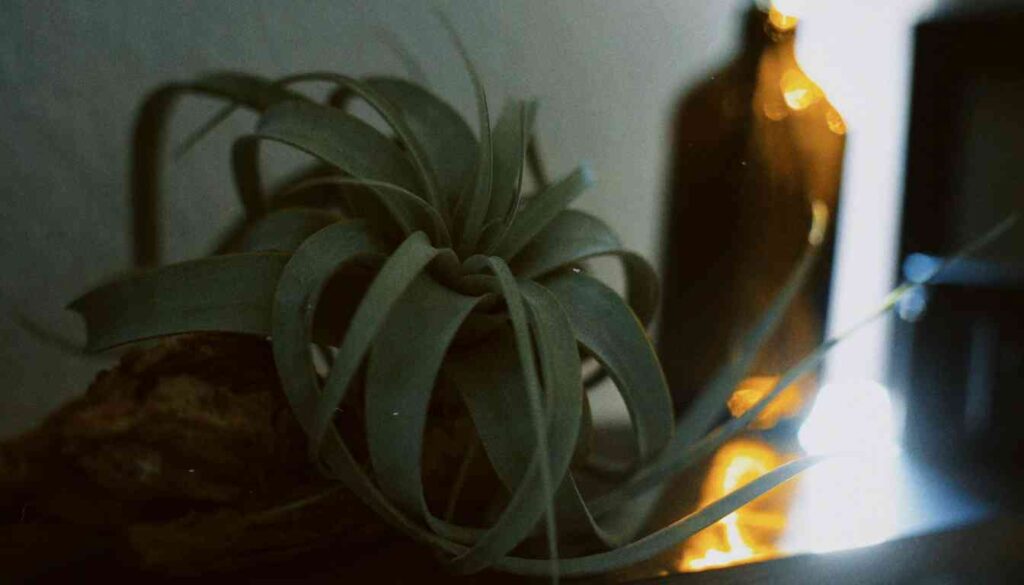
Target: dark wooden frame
930,365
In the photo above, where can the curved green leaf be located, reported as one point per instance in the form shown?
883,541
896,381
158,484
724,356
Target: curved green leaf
245,165
447,140
575,515
408,211
710,404
667,537
403,367
339,139
493,387
610,332
473,204
283,230
149,137
541,210
231,293
574,236
392,116
534,162
395,276
532,498
295,301
530,115
509,151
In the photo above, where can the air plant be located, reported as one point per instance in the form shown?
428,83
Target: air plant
411,259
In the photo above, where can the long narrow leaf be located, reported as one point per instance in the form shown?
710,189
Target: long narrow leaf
542,210
339,139
509,151
473,204
245,164
447,141
225,293
528,502
295,302
282,231
395,276
149,138
408,211
492,385
682,455
402,371
610,332
710,404
394,118
530,116
573,237
296,299
667,537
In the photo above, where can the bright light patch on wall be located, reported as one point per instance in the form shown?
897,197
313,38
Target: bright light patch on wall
860,54
850,417
848,501
851,499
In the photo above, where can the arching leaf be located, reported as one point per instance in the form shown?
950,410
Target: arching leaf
610,332
283,230
295,302
149,138
532,498
395,276
245,165
403,367
709,404
541,210
573,237
427,179
447,140
509,151
339,139
667,537
473,204
410,213
231,293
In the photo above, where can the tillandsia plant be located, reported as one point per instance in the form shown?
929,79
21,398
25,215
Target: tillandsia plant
411,260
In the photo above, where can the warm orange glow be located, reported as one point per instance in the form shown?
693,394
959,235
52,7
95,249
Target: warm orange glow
775,110
835,121
780,20
750,533
751,390
798,90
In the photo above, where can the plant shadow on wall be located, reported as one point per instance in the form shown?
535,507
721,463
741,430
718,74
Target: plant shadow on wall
392,340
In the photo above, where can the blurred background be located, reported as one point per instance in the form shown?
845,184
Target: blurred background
72,74
718,130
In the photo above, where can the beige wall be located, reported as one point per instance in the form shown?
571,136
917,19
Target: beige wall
71,74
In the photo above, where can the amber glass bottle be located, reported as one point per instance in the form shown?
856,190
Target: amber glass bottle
753,146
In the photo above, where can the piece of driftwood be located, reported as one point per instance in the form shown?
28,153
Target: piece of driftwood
185,459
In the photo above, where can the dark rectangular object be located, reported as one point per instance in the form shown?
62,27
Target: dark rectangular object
958,352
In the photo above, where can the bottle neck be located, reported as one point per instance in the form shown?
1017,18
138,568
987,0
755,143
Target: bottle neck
767,32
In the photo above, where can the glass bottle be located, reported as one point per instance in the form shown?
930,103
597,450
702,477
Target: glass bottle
753,147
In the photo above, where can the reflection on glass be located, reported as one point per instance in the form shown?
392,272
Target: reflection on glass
750,533
787,404
798,90
755,147
780,20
